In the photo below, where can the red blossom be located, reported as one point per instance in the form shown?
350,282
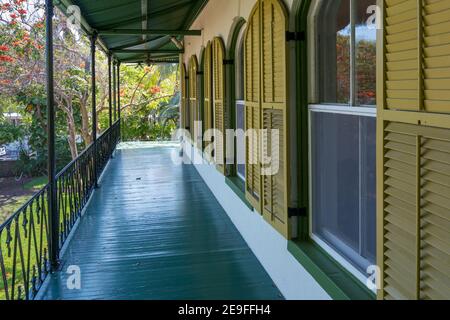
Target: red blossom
22,11
6,58
4,48
155,90
13,16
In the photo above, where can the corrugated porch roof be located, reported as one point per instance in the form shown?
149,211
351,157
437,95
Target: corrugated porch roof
117,20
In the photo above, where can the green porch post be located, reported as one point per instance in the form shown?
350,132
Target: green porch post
53,219
114,90
118,99
94,107
110,90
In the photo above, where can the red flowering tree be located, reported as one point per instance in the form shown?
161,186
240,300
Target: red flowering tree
21,43
22,66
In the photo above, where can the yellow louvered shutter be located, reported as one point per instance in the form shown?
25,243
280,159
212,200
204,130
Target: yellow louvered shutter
414,150
220,115
183,88
252,97
207,69
193,101
274,113
266,109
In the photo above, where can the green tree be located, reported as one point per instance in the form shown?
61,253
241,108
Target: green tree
149,94
150,99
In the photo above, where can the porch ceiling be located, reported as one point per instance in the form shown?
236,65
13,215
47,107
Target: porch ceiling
113,16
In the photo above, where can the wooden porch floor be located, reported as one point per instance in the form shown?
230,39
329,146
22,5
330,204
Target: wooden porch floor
154,230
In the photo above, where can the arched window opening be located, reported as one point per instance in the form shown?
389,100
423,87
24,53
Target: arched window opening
184,97
208,115
239,124
193,101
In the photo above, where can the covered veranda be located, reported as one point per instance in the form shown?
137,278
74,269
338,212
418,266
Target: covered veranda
129,221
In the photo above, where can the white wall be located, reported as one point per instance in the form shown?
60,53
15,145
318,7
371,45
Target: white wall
215,20
270,248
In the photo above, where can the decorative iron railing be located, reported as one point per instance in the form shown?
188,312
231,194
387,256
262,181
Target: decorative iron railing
24,237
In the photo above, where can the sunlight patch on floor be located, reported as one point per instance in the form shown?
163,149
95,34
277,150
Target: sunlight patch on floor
147,144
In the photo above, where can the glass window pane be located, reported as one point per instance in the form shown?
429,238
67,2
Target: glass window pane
240,145
366,51
343,185
239,66
334,51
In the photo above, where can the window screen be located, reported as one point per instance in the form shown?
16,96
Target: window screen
240,145
343,184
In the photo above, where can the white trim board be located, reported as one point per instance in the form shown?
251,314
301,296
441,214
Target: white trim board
269,247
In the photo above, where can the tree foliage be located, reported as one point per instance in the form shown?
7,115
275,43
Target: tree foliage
150,99
149,95
365,70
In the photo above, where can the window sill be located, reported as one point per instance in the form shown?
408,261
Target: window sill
238,187
333,278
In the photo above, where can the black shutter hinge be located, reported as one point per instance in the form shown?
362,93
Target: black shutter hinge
297,212
295,36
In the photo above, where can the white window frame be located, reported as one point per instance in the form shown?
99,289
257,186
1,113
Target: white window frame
315,106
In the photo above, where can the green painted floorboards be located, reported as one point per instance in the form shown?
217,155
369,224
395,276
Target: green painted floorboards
154,230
